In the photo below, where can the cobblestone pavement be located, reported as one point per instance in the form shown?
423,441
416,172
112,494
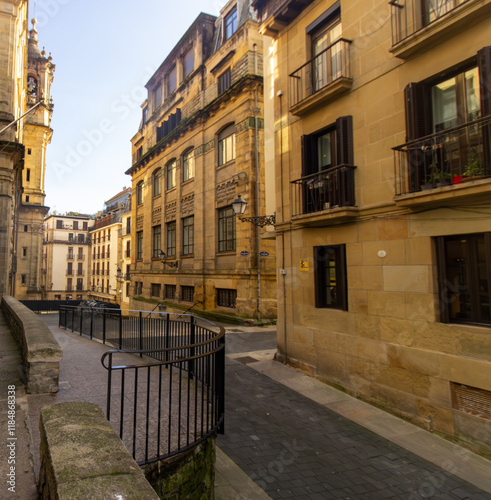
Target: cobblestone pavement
294,447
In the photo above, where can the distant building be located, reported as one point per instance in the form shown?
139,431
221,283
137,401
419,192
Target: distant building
106,281
66,257
200,145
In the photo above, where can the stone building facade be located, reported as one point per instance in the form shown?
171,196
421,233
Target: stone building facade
201,132
382,120
106,236
37,136
66,257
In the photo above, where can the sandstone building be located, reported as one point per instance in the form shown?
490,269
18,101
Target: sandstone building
383,181
200,145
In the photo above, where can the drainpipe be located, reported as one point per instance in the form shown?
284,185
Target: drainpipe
256,159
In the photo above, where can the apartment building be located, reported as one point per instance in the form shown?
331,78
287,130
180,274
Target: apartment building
383,164
200,145
124,267
106,249
66,257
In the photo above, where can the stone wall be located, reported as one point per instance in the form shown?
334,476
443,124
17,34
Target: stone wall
82,457
190,475
41,354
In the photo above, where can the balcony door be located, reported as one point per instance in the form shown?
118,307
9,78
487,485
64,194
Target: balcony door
327,55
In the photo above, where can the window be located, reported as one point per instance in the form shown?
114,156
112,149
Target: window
27,199
80,253
128,225
80,271
28,174
69,269
327,64
226,229
70,236
188,235
139,193
128,249
226,145
156,180
158,96
139,245
170,292
171,81
140,288
437,105
26,228
85,226
188,165
70,252
145,115
171,239
188,63
224,81
80,284
23,279
330,277
155,289
171,174
187,293
59,224
230,23
156,238
75,225
464,269
127,289
69,284
24,251
226,297
81,238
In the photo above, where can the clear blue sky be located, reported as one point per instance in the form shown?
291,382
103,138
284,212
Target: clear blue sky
104,52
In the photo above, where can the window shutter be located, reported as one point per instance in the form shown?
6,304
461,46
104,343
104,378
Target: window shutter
308,143
442,272
417,123
344,141
484,66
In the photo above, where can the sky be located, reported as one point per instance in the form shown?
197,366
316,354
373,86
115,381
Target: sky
105,52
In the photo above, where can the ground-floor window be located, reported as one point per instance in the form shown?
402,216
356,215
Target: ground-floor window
226,297
464,268
155,289
187,293
330,277
170,292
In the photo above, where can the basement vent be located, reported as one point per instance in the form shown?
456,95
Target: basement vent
471,400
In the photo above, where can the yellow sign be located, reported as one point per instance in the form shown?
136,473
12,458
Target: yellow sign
304,265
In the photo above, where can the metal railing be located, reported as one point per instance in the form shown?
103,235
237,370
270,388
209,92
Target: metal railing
331,188
446,158
410,16
170,398
324,69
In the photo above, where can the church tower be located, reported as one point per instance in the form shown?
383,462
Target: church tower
37,136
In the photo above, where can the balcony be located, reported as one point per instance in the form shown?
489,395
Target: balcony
323,78
418,25
329,194
448,166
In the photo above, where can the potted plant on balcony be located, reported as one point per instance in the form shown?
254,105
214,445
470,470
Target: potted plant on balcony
473,167
438,177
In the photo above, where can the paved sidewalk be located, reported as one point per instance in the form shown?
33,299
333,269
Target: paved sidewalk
288,435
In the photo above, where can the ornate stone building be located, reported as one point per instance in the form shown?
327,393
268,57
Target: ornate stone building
383,168
200,145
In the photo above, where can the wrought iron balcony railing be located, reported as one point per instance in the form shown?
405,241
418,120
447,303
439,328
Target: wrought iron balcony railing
446,158
331,188
410,16
324,69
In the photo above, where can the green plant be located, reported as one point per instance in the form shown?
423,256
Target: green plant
438,176
473,167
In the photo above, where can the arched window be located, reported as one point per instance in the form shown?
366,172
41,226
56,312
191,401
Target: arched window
156,180
188,164
226,145
139,193
171,174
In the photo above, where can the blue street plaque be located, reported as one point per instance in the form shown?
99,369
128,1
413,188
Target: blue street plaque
244,253
263,254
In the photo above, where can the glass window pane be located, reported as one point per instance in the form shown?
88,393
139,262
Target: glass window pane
472,94
444,101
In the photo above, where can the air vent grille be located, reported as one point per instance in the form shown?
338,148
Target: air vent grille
471,400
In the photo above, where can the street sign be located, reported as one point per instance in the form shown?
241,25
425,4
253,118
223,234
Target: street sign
244,253
263,254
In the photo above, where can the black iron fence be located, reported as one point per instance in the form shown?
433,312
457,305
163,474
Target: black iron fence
331,188
171,397
410,16
446,158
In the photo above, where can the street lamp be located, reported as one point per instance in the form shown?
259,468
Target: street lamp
239,205
170,264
